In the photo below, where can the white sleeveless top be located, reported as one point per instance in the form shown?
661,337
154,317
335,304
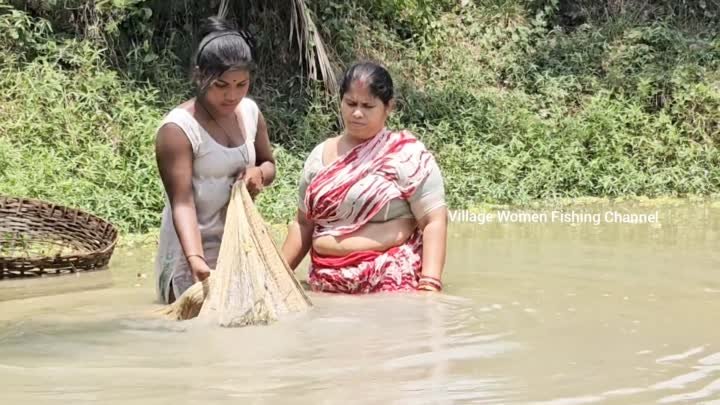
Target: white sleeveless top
215,168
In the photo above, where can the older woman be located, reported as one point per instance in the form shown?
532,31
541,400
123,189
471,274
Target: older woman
372,210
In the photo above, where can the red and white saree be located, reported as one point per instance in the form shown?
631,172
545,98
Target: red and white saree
345,195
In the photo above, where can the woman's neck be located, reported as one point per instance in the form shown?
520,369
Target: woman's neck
353,141
208,110
350,140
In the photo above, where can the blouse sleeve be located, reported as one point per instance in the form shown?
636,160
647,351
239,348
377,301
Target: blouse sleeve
430,194
312,165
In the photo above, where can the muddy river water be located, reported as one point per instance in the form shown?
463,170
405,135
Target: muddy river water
535,311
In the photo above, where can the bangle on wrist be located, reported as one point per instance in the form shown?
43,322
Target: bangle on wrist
428,287
200,256
430,281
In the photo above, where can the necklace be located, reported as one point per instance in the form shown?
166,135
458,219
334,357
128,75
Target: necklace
243,151
227,135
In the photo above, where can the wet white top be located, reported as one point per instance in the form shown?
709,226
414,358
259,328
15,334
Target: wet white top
215,168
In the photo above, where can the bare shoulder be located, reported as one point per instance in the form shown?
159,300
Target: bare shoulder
169,130
171,137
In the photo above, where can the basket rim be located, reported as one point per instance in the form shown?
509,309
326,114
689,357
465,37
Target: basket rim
109,244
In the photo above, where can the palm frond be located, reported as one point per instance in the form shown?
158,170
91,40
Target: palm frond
313,59
223,8
311,46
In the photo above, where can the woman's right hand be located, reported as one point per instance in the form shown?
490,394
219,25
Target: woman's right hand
199,268
253,178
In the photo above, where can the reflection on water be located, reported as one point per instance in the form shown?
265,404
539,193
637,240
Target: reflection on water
541,313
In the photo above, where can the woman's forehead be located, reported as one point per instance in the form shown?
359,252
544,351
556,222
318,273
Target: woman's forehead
359,89
234,76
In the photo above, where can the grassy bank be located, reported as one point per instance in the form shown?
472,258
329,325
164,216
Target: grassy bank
520,101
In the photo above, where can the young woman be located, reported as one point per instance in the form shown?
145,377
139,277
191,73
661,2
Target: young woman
372,210
203,146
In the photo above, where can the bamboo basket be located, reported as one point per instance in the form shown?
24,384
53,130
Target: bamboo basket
40,239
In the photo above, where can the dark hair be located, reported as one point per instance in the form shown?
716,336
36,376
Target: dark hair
376,76
221,48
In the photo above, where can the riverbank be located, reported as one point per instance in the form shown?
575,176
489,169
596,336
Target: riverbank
518,103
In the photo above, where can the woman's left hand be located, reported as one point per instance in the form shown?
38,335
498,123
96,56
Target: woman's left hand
253,178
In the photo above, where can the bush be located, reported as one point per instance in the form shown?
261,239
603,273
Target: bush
518,100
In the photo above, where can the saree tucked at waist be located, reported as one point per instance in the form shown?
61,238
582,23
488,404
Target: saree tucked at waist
346,194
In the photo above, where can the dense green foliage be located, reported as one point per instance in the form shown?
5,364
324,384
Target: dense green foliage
519,100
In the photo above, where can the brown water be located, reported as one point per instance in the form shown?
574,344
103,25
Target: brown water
545,313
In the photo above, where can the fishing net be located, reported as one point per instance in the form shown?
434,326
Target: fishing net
251,284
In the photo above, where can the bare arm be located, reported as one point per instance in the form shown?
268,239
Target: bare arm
264,154
298,240
174,156
263,174
434,227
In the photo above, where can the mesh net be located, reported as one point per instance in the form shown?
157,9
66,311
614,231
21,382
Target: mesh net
252,283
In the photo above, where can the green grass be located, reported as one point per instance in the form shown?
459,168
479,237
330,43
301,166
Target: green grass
517,107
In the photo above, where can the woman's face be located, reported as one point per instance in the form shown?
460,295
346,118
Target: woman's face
364,114
226,92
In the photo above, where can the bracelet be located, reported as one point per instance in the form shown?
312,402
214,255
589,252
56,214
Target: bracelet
432,281
428,287
200,256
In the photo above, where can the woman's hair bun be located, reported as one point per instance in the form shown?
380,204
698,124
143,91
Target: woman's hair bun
215,24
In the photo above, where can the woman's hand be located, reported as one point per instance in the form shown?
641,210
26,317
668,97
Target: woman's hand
298,240
199,268
254,180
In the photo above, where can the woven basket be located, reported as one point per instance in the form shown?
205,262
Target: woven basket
39,238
